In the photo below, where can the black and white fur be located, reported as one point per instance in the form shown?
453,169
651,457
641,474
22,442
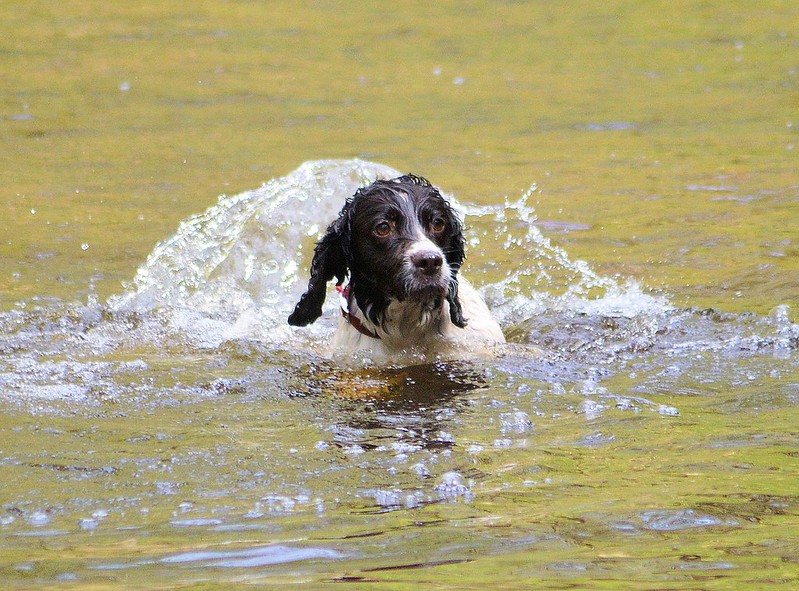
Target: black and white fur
401,245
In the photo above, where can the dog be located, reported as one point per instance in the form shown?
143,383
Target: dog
400,246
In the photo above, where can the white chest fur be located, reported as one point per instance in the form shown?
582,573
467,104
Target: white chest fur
412,328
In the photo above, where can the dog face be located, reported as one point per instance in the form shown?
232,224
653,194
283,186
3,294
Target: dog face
396,240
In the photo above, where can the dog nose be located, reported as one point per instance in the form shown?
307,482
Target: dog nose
428,262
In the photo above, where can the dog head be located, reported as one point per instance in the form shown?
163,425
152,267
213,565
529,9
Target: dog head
396,240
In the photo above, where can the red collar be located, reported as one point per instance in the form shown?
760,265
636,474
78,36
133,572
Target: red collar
354,321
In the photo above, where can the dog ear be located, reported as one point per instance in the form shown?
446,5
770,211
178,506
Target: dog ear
329,260
455,254
455,310
456,249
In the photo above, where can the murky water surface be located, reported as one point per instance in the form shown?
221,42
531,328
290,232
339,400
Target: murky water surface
627,175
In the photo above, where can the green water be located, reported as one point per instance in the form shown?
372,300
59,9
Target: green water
119,120
662,140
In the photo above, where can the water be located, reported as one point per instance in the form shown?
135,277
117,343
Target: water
185,415
628,184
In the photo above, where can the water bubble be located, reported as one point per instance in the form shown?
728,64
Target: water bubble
515,422
421,470
596,439
452,486
412,501
402,447
445,437
386,498
39,518
592,409
668,411
451,479
166,488
279,504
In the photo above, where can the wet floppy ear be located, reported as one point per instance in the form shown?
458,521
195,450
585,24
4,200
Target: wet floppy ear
455,310
329,260
456,249
455,255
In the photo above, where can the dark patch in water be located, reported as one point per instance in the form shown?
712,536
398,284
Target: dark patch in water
72,468
416,565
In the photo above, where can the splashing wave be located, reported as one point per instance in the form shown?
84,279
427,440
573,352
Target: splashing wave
236,270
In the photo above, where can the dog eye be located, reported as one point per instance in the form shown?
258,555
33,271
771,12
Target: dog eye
383,229
438,225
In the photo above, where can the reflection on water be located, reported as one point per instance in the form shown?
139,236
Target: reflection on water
254,557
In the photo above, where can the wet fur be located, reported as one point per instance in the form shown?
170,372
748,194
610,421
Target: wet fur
404,303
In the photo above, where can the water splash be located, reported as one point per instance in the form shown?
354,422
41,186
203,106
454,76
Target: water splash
236,270
549,279
244,251
228,278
